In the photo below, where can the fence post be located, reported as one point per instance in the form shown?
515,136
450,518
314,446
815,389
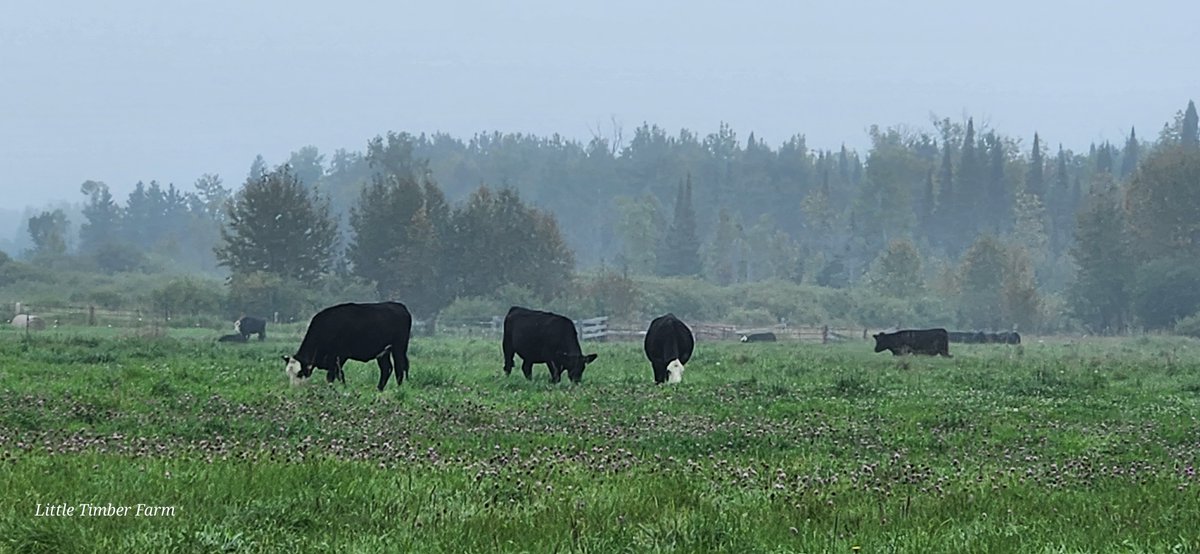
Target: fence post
91,316
825,334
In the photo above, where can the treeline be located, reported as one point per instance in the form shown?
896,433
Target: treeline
963,214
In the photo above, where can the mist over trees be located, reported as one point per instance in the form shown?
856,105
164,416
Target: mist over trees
954,224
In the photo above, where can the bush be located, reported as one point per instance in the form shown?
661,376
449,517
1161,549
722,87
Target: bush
1166,290
1189,326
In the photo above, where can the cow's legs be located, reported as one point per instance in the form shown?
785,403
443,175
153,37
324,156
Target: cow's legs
401,364
555,372
341,374
262,335
385,369
527,369
508,355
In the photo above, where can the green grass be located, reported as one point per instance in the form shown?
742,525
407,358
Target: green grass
1057,447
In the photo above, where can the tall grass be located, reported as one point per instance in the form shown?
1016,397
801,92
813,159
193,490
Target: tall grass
1071,447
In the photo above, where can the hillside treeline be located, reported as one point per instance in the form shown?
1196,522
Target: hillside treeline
997,231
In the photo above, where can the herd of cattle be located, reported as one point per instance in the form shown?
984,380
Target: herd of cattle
381,331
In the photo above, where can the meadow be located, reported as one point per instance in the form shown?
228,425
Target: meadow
1065,446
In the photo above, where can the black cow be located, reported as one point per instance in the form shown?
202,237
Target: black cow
543,337
914,341
363,332
249,325
1008,337
759,337
236,337
669,345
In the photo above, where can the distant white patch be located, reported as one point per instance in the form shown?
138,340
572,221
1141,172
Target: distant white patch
674,371
237,327
293,371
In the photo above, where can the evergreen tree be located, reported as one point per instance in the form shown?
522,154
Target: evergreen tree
1130,155
1189,135
679,254
212,195
998,208
1035,180
1099,294
277,226
1104,158
258,169
968,191
308,165
103,217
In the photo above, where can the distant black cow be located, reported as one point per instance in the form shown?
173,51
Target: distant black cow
968,337
362,332
669,345
247,325
236,337
543,337
914,341
759,337
1008,337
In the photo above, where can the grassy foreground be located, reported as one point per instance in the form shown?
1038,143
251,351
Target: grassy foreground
1084,447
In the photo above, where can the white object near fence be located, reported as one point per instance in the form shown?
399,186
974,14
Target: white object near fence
593,328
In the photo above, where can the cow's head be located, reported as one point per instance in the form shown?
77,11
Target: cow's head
575,364
675,371
880,343
296,371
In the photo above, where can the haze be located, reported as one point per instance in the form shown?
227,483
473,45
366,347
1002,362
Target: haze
169,91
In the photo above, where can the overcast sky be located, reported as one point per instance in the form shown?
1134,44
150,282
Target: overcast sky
169,90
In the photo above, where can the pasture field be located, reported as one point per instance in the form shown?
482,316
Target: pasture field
779,447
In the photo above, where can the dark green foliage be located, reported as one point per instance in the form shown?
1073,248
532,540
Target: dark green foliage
1163,201
275,225
981,284
498,240
1130,155
679,253
103,216
1099,293
264,294
1035,180
1166,290
1189,135
49,233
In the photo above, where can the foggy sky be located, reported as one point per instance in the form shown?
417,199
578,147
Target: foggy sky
128,91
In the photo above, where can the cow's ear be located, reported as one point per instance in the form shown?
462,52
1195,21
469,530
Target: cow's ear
589,358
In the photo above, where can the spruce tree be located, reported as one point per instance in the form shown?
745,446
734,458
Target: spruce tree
1035,180
680,250
1130,155
103,218
1189,133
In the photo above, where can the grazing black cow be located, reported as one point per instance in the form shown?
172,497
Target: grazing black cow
543,337
363,332
914,341
236,337
759,337
247,325
669,345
